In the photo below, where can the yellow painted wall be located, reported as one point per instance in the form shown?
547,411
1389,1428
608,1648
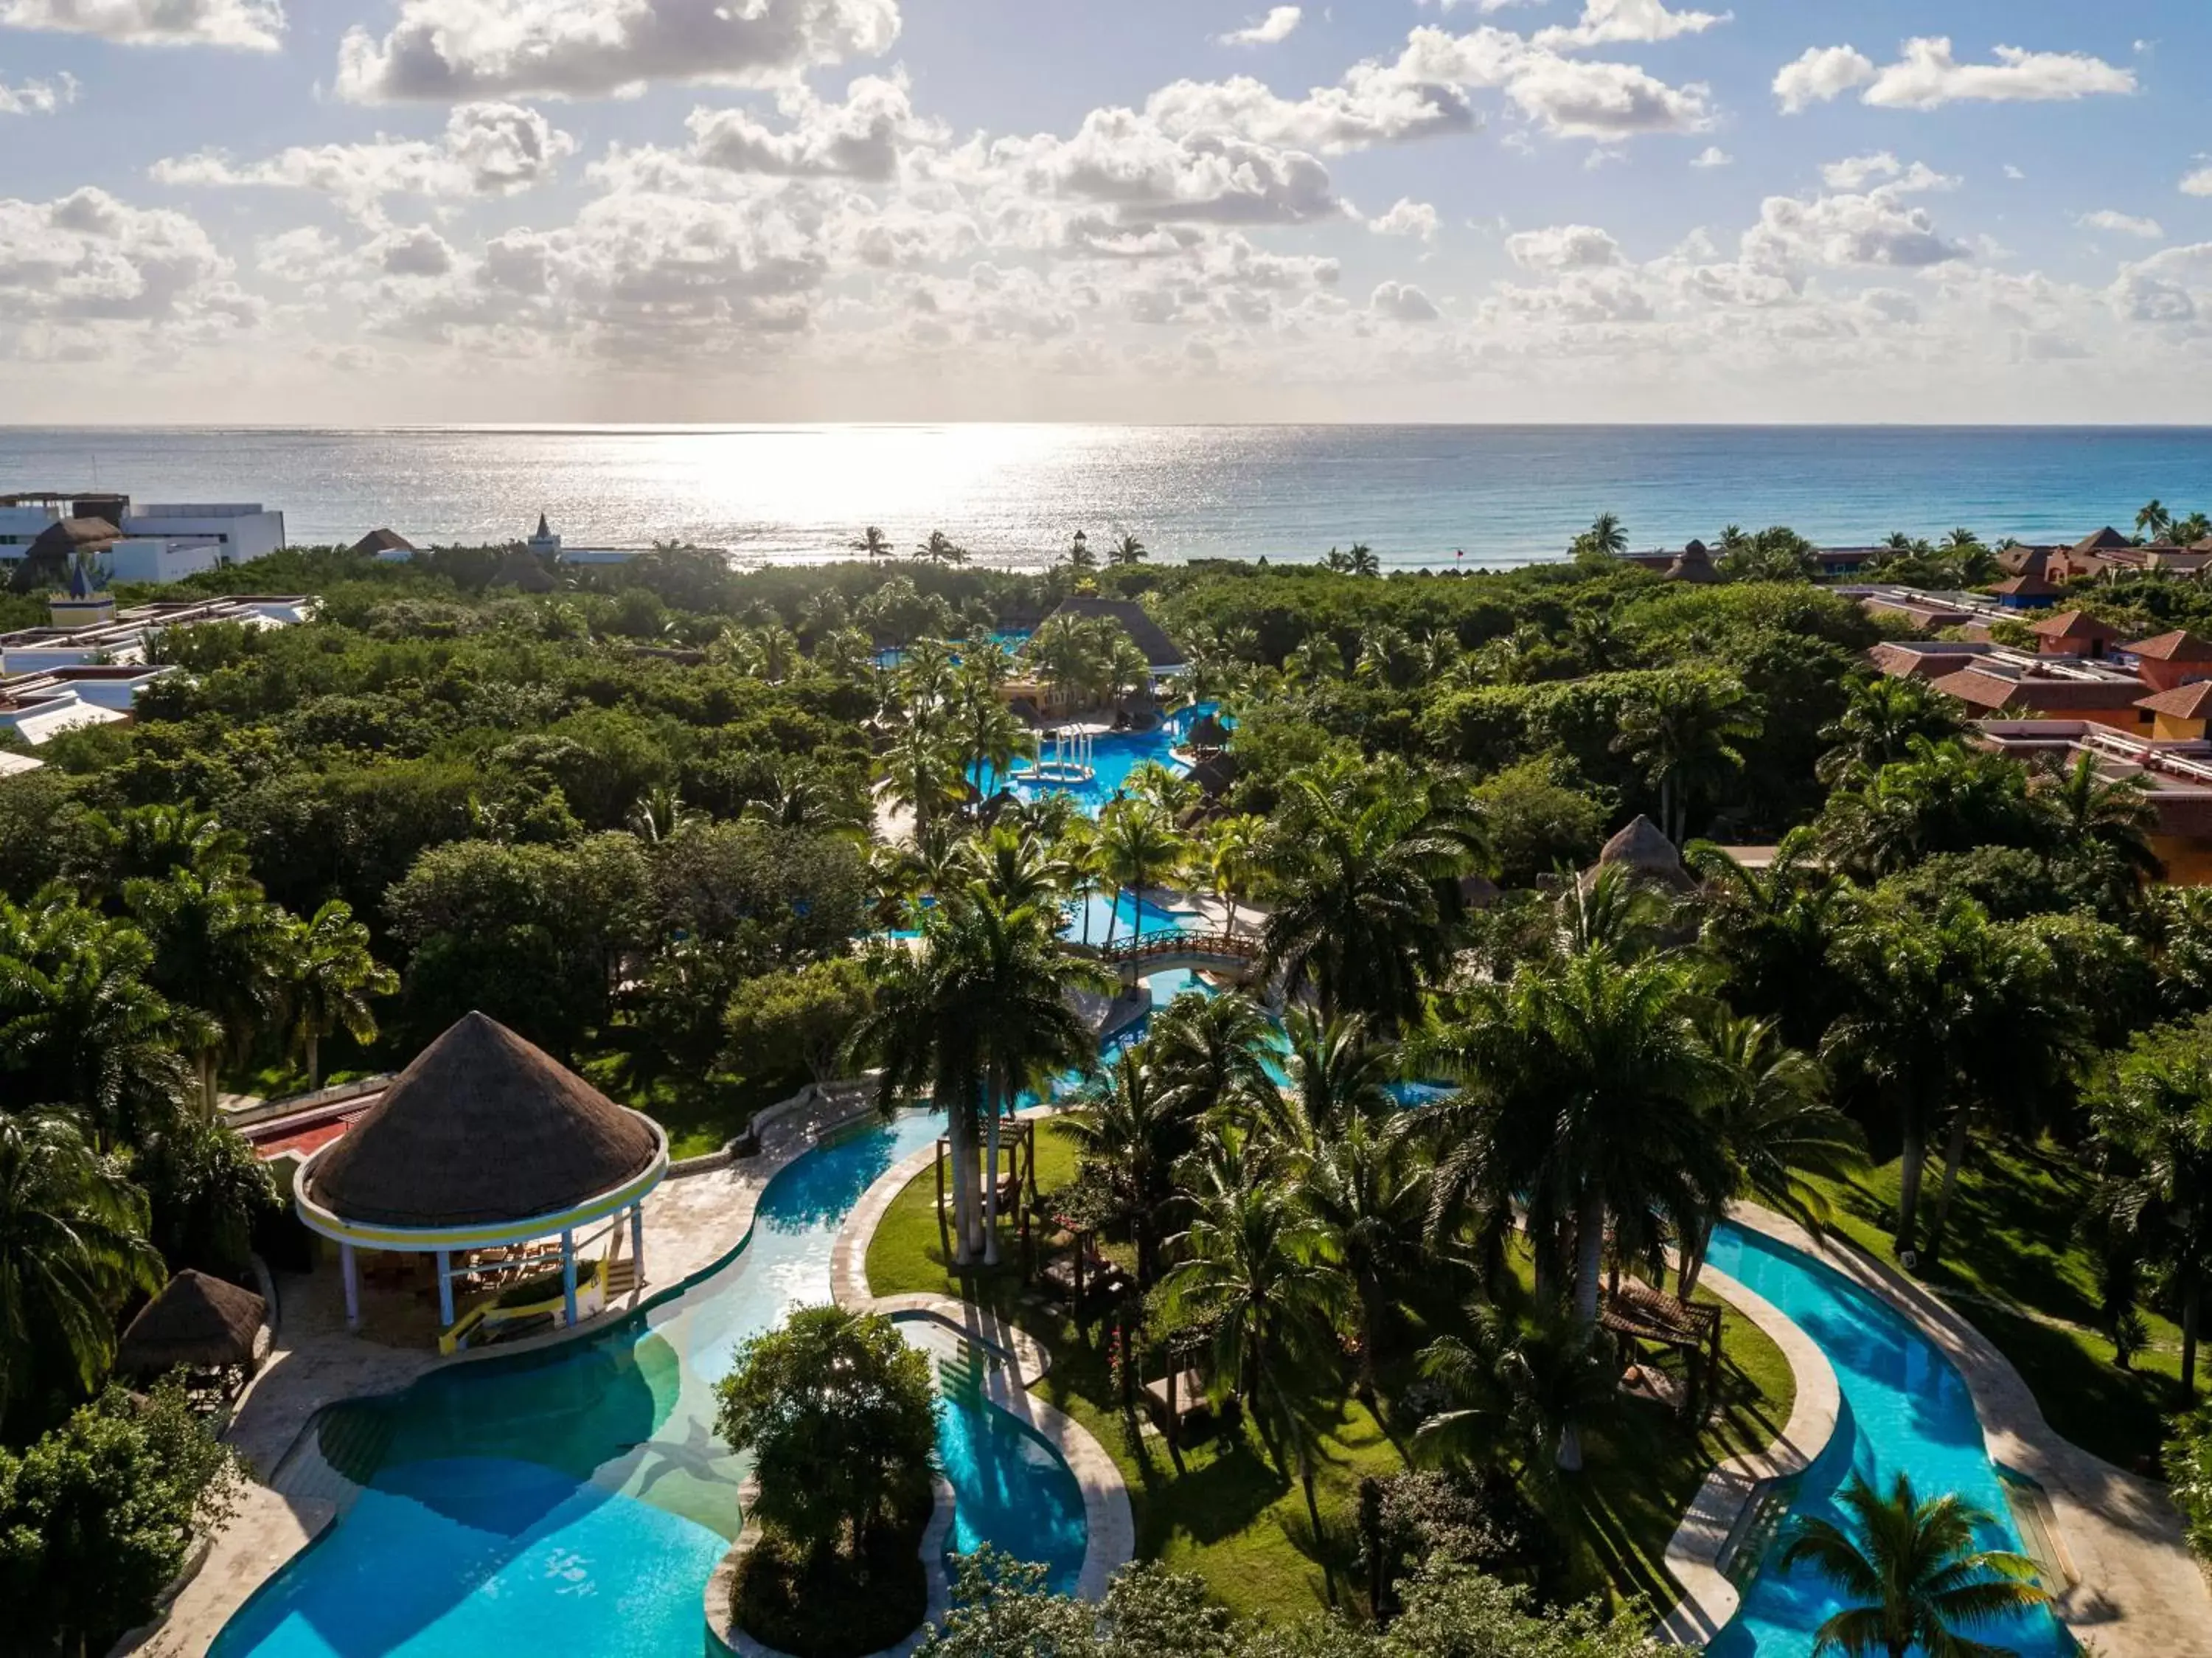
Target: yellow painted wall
2188,860
2167,727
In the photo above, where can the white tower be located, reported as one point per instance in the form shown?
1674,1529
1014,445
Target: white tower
544,543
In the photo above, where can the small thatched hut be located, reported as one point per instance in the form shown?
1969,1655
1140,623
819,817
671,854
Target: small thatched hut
1647,855
197,1322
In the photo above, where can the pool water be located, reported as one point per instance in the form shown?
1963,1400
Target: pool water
576,1500
1904,1408
1114,755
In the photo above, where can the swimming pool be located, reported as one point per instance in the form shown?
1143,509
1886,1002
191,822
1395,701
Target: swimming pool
576,1500
1114,755
1905,1409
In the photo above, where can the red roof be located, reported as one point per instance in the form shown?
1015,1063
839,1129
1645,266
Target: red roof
2073,624
2104,540
2030,586
2178,646
2033,693
2192,701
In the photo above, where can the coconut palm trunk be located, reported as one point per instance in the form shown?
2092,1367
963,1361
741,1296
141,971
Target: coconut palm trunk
1910,1166
992,1104
1589,1251
1954,1154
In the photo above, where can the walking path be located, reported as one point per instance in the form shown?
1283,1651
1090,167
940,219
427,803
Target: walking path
1109,1524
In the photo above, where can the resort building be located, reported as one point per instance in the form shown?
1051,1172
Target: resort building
2176,775
486,1167
2073,633
91,632
2168,660
387,546
156,542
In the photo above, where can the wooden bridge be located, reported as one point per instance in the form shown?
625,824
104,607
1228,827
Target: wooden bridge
1221,952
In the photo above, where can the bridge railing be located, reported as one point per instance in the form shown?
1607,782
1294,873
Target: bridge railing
1159,946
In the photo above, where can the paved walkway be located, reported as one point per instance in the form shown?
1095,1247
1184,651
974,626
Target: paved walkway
2142,1594
1109,1524
691,1223
1693,1554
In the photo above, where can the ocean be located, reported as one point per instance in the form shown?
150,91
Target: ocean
1435,495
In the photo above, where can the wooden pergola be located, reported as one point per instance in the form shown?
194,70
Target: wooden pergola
1634,1312
1016,1175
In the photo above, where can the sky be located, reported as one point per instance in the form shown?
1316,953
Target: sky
377,212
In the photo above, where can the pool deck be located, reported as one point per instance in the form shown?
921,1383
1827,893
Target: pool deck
2141,1594
1109,1524
691,1222
1693,1553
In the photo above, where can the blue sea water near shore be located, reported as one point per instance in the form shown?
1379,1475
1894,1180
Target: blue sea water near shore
1436,495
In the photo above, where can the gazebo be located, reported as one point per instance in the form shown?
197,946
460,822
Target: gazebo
484,1142
197,1322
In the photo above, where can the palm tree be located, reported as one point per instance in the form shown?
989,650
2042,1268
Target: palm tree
1128,550
1361,560
1212,1054
1556,1378
941,549
1369,1192
1137,843
1081,558
1338,1076
149,842
1917,1571
924,773
1008,868
334,979
1683,737
1132,1129
2153,519
1254,1270
872,544
1367,894
79,1022
1583,1089
1768,1110
1878,725
1231,852
2153,1119
1606,537
1962,540
2112,820
72,1246
219,946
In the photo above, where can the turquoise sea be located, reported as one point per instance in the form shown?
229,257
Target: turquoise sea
1013,494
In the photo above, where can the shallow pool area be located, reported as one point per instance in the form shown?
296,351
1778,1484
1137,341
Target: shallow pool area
1905,1409
1114,755
576,1500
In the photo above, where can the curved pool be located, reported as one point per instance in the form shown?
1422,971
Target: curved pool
576,1499
1905,1409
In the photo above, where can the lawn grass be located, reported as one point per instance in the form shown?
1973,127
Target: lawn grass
2013,1266
1229,1517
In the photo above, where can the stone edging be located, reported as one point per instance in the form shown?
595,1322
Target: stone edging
1110,1525
1693,1553
2141,1594
721,1620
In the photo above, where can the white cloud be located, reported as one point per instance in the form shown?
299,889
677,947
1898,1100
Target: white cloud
860,139
2014,173
87,275
417,252
1713,155
251,25
306,254
1609,22
1125,161
1275,26
486,149
1576,99
2198,183
1402,302
1928,76
1371,106
1407,218
2122,224
1563,248
1875,229
459,49
1822,74
1857,172
37,97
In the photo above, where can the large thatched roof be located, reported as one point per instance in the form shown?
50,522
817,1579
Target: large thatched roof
200,1322
382,540
1643,849
482,1129
1151,638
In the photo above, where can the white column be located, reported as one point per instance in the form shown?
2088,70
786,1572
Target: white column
446,1288
637,1239
352,1286
568,1274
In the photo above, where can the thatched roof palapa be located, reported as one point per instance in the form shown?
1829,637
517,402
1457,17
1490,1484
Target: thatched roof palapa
199,1322
1160,651
483,1128
1643,849
382,540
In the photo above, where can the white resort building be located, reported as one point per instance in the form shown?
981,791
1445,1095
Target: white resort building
158,542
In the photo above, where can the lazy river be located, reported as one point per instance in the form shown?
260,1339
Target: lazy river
1905,1409
576,1500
